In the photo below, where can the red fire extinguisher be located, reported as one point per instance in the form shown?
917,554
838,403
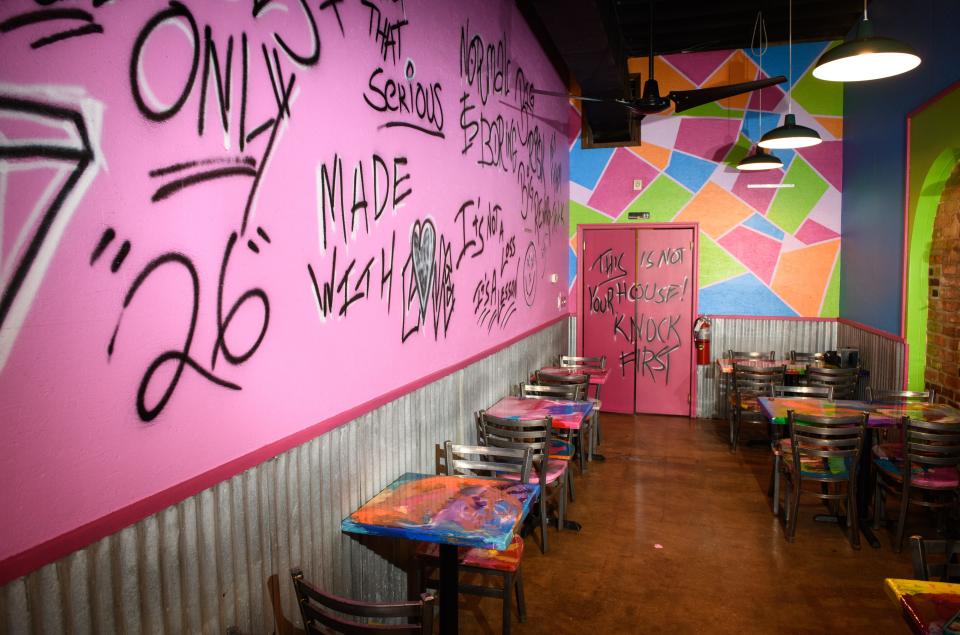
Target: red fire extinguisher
701,337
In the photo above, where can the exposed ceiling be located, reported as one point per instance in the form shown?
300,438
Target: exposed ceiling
590,40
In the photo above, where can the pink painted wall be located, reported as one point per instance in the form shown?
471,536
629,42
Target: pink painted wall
180,287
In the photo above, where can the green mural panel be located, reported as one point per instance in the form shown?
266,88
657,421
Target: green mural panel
831,299
663,198
715,263
818,97
790,206
583,215
740,150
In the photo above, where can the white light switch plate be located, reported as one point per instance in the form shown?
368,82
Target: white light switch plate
637,184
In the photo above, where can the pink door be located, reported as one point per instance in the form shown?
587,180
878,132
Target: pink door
638,306
608,268
664,298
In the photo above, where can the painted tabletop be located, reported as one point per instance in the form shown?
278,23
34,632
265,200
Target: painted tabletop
933,412
792,368
464,511
775,409
596,375
926,606
565,414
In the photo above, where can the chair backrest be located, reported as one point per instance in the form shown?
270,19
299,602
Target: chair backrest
482,460
742,355
319,608
843,380
937,560
478,423
547,378
827,437
519,434
757,380
573,392
797,356
571,361
929,444
814,392
900,396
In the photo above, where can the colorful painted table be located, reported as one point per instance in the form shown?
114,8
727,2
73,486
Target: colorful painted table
792,368
775,409
451,511
933,412
568,415
597,376
926,606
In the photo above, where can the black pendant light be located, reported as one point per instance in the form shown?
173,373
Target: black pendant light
790,134
866,57
759,160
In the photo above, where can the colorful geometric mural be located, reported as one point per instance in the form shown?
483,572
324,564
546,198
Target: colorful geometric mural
762,251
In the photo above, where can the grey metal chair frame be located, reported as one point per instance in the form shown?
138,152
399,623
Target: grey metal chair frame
739,356
572,361
926,444
534,434
900,396
843,380
800,357
824,438
947,565
584,438
480,460
559,391
750,383
813,392
796,392
316,606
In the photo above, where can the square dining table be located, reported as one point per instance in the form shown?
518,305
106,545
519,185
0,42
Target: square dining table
565,414
926,606
452,511
596,376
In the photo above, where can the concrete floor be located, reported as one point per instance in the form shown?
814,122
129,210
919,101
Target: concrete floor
678,537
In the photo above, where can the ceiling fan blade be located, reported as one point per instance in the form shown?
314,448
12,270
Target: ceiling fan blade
601,100
687,99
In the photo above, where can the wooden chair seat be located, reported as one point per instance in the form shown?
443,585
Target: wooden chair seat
556,470
560,449
888,457
508,560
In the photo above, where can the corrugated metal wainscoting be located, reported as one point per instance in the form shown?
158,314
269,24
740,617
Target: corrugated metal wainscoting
882,355
222,557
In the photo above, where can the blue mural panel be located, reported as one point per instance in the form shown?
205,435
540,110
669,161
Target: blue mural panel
586,166
764,226
776,59
743,295
690,171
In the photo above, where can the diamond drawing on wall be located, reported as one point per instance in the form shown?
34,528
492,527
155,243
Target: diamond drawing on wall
770,252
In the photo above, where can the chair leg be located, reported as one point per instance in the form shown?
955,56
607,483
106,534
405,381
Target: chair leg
902,520
543,521
507,584
570,483
795,512
562,504
521,601
853,513
876,504
774,488
580,450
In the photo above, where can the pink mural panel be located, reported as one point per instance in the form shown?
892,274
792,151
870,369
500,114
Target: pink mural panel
223,225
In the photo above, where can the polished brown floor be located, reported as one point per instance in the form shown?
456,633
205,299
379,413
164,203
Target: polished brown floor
678,537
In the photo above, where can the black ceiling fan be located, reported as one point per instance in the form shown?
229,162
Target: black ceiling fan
651,102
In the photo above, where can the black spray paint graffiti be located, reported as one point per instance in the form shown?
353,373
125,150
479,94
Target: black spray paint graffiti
427,282
78,21
328,298
80,155
653,337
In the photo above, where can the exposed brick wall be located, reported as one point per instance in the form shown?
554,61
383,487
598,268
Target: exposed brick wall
943,324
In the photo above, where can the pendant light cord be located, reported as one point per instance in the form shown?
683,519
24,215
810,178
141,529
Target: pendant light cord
790,56
758,46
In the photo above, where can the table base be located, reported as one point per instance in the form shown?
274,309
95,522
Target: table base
449,591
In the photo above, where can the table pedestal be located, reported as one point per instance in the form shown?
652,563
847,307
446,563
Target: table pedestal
449,590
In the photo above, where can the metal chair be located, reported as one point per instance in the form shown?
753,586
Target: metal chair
925,464
935,559
900,396
741,356
584,438
749,384
563,445
798,392
842,380
826,451
536,435
483,461
317,610
569,361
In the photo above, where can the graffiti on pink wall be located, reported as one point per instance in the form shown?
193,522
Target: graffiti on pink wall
222,223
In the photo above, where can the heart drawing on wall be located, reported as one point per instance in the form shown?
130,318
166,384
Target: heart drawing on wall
423,243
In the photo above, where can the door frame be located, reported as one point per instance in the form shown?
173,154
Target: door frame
691,412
